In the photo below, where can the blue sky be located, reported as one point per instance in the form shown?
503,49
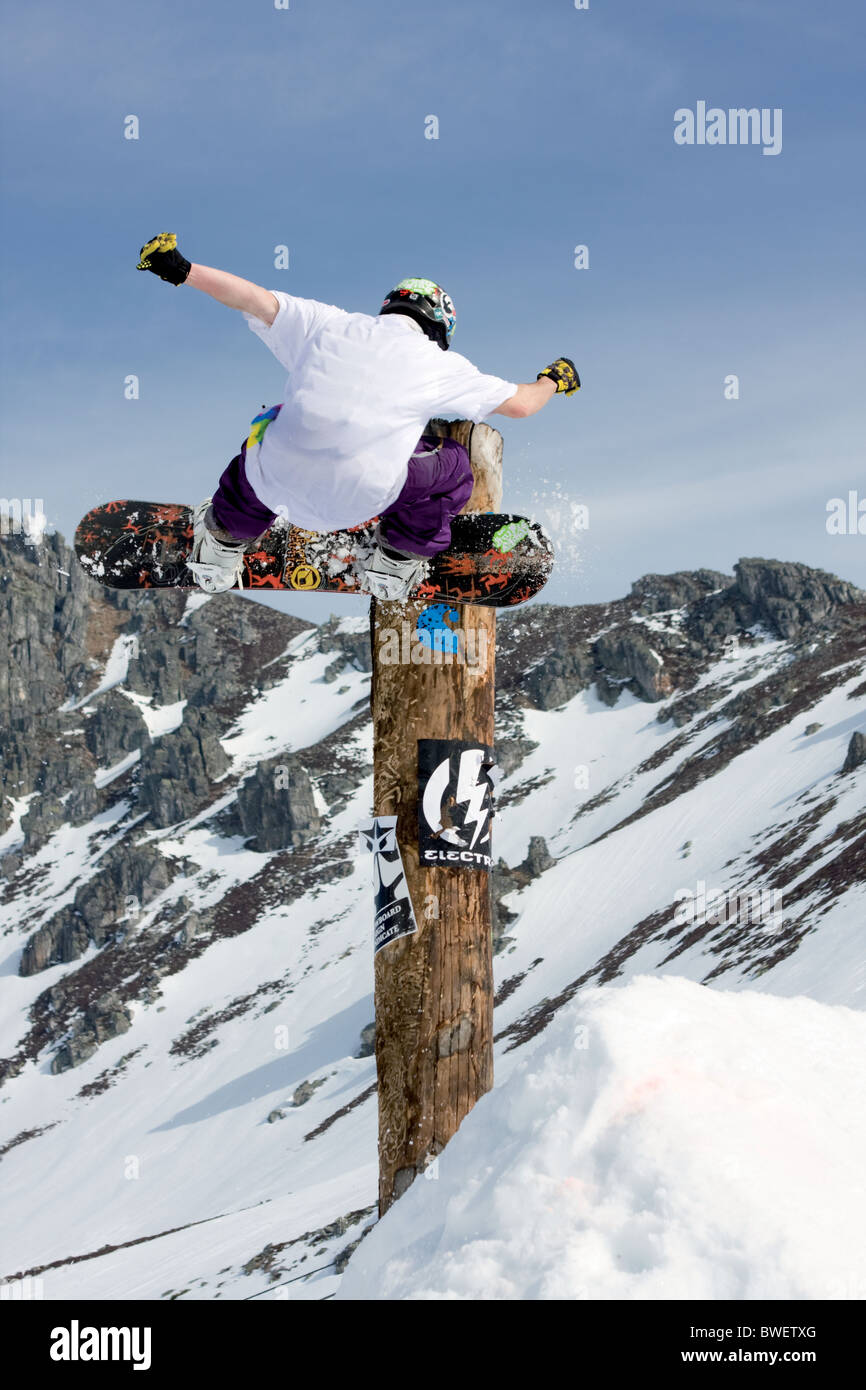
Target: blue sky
305,127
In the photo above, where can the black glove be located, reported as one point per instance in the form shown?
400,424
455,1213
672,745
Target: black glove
161,256
563,374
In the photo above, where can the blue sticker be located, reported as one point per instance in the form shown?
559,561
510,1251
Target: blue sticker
435,629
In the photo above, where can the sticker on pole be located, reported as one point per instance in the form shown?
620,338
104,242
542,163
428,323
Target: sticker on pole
436,630
455,803
394,916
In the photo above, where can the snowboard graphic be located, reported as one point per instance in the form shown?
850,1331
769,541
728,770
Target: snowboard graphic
494,559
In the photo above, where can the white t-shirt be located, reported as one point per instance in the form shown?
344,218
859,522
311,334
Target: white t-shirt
360,393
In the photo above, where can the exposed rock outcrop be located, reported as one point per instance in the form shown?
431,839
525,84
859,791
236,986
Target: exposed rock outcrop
790,597
46,814
178,771
505,880
666,632
103,1019
130,877
277,806
355,647
664,593
856,754
114,729
626,657
306,1091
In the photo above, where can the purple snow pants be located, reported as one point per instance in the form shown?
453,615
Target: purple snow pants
437,487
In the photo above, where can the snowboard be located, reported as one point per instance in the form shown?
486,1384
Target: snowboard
495,559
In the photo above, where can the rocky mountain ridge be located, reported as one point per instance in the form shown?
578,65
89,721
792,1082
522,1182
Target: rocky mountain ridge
76,748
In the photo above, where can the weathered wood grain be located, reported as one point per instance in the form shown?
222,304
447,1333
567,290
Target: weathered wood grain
434,991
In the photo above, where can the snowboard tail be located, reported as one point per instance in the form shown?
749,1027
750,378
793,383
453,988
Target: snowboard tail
495,559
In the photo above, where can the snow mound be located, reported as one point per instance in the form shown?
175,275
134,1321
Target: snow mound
663,1140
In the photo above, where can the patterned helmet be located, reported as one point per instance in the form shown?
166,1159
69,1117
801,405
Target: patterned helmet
427,302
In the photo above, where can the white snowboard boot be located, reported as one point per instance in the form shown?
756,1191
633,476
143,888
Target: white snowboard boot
216,565
390,573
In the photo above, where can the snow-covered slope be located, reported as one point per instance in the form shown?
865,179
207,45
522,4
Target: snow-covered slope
663,1141
189,1106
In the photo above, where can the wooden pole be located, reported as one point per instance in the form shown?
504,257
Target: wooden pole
434,995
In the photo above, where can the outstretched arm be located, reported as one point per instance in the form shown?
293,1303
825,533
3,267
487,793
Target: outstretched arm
530,396
234,292
161,256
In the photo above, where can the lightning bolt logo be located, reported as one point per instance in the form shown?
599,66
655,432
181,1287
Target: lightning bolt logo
472,791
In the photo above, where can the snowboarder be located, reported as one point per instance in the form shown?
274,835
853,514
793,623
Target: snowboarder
344,445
